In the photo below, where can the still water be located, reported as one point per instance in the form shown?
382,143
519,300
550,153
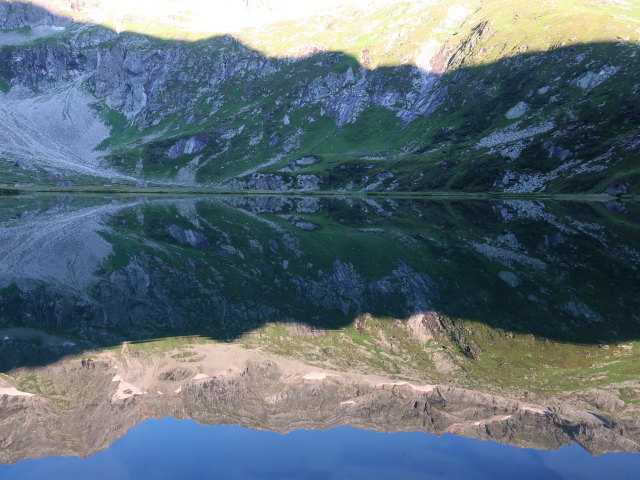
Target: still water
501,337
168,449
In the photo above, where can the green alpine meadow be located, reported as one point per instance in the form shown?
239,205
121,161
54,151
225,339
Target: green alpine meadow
340,239
483,96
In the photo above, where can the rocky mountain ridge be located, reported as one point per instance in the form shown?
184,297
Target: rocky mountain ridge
115,309
100,268
85,404
411,96
483,296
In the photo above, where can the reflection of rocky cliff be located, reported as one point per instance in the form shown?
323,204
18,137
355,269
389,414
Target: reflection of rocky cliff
470,296
84,405
220,267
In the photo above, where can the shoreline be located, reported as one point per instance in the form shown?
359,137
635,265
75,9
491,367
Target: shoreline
204,191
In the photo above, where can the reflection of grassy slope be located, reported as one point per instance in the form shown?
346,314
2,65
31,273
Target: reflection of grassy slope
517,366
432,237
4,85
509,363
491,335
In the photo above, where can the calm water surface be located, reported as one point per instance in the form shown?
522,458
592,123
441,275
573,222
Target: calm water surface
109,303
169,449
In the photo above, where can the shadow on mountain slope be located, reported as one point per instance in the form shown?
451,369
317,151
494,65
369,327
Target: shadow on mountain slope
131,269
559,120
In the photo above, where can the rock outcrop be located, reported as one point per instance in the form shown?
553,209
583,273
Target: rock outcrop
237,110
265,394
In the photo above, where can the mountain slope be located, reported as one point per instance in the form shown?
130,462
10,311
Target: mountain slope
420,96
83,405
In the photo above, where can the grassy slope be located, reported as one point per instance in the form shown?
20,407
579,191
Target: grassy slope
423,235
499,53
524,47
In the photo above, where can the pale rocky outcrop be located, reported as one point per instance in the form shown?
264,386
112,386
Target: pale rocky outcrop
517,110
269,393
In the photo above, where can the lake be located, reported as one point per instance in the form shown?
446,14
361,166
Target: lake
318,337
169,448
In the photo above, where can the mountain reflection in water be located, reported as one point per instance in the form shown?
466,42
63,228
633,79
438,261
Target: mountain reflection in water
168,449
506,320
134,268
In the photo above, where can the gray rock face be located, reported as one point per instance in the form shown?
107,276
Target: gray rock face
261,181
616,207
517,110
258,181
264,396
188,237
21,164
307,205
550,242
45,65
300,164
122,76
343,288
187,146
556,151
603,400
378,180
592,79
509,178
618,188
138,78
509,278
307,182
300,223
306,161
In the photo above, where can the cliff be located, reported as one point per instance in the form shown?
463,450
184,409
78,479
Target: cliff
420,96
